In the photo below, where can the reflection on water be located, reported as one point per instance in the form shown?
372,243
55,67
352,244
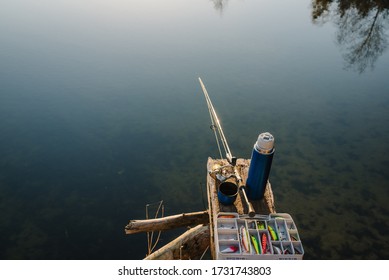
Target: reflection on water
220,5
362,27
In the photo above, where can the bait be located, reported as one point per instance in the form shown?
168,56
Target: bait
297,251
230,249
277,250
293,237
244,239
287,251
264,243
273,234
226,216
254,241
261,225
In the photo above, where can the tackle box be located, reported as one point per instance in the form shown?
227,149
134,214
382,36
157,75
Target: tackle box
268,237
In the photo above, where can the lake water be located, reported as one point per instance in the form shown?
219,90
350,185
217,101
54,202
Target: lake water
101,113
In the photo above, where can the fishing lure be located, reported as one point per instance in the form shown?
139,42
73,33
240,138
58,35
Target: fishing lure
264,243
294,237
273,234
297,251
277,250
287,251
226,216
230,249
254,241
261,225
244,239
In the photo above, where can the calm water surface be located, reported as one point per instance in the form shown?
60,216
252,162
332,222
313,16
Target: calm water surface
101,113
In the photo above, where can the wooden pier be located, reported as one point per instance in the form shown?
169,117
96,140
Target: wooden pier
263,207
200,236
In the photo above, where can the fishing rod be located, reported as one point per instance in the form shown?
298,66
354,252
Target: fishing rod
217,128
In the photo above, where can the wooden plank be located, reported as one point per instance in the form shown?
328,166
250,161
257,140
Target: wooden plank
190,245
264,206
211,211
166,223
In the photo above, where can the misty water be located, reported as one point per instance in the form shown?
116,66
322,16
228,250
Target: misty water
101,113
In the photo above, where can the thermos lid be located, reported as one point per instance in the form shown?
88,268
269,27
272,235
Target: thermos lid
265,142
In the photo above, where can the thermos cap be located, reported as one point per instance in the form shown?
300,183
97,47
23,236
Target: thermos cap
265,142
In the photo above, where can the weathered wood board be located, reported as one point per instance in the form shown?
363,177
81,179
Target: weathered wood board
264,206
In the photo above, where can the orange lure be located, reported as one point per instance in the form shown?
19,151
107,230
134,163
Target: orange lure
264,243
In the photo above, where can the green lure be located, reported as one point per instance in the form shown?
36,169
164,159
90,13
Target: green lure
255,243
261,225
273,234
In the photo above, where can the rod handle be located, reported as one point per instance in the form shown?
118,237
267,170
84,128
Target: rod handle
250,207
242,187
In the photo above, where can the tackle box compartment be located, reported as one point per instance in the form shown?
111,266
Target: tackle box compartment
262,237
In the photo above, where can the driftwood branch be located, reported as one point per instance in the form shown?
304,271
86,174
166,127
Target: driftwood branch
190,245
166,223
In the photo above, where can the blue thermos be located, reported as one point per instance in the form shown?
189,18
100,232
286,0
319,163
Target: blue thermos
260,165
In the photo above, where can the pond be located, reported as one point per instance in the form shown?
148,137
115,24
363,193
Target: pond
101,113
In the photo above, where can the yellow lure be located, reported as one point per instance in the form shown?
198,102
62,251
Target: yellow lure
254,241
260,225
272,233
